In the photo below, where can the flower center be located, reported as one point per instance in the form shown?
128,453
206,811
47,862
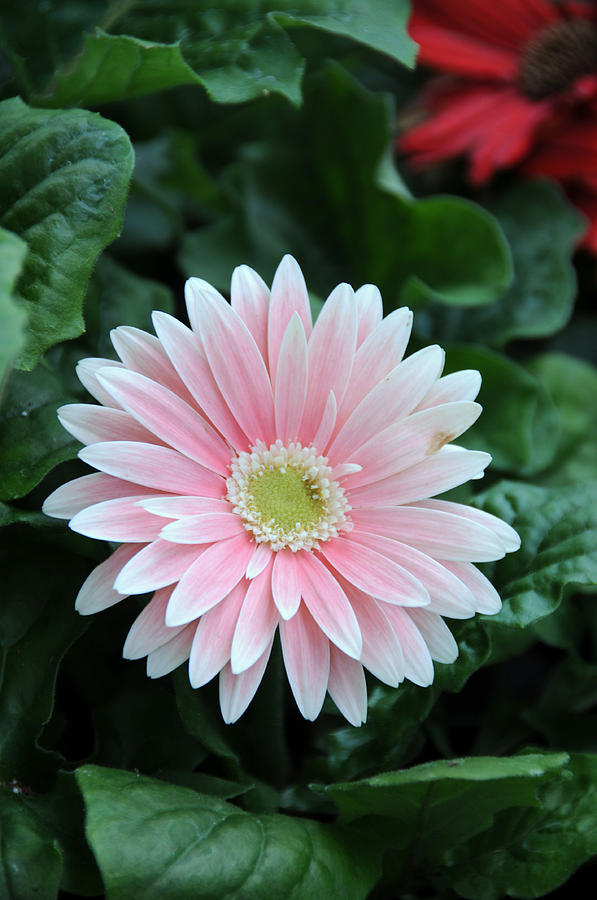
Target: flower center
558,55
286,496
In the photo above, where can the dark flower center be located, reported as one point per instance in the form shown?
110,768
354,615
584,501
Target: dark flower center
558,55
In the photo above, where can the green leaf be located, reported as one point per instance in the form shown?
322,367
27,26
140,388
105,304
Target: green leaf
338,214
519,424
32,440
30,861
530,852
61,813
153,839
558,527
63,183
114,67
37,625
424,811
542,229
572,385
12,317
376,24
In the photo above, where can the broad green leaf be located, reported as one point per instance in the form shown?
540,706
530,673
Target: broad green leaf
338,214
37,625
12,317
63,183
572,385
115,67
434,807
542,229
153,839
519,424
376,24
558,527
61,813
32,440
30,860
236,53
530,852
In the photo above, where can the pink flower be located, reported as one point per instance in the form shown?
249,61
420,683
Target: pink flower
264,474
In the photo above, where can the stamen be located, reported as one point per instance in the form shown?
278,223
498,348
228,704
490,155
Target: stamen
287,497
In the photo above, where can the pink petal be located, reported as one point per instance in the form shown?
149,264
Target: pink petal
156,565
249,297
306,652
331,353
237,691
154,467
347,686
440,534
391,399
169,417
180,507
70,498
410,440
381,653
369,310
91,424
117,520
328,604
449,596
172,654
98,592
373,573
345,469
325,429
236,364
87,370
449,467
188,357
209,579
203,529
418,665
289,295
505,533
380,352
256,624
436,634
463,385
262,555
487,599
286,583
291,381
190,294
213,639
149,631
142,352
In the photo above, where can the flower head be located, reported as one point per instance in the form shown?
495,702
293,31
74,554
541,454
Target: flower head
519,88
263,474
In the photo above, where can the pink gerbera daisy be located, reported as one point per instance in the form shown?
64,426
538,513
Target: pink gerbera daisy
263,474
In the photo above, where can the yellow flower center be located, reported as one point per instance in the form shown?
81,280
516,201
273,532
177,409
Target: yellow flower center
286,496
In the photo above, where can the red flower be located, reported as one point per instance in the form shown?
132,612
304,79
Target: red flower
520,87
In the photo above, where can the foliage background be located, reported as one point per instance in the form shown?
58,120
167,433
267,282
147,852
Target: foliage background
188,138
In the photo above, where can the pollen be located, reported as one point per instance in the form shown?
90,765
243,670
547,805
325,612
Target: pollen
287,496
